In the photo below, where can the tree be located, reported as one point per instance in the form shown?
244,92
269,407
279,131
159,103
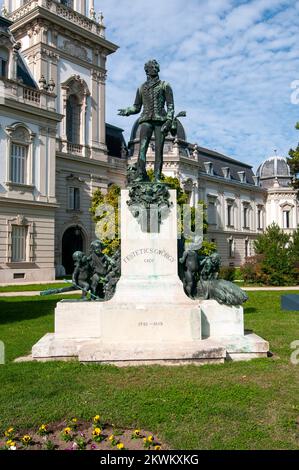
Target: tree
110,224
293,163
276,262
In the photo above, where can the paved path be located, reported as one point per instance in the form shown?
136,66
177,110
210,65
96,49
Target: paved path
271,288
26,283
29,293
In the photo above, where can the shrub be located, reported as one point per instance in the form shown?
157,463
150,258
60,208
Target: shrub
251,270
275,261
227,273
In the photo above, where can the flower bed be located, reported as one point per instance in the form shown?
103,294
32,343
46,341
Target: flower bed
79,435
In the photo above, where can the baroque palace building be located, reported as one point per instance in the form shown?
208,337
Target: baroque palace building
56,149
55,146
240,204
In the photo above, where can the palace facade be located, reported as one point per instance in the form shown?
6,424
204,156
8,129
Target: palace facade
56,149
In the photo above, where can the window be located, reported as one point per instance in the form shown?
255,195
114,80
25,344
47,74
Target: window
230,221
75,105
73,110
18,161
67,3
209,168
212,213
226,172
230,248
18,248
242,176
259,219
245,217
74,199
3,62
286,219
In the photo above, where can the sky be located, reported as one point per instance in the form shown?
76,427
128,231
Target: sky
232,65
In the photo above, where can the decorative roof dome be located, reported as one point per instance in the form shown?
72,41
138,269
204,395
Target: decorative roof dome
135,133
274,170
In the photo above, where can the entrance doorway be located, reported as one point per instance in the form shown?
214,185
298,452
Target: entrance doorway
72,240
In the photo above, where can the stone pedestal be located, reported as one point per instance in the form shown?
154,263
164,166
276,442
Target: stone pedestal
150,320
221,320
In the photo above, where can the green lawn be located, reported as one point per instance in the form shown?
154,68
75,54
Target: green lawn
253,405
32,287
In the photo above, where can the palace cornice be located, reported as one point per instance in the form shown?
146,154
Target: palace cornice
27,109
232,233
281,191
41,13
88,161
48,51
23,202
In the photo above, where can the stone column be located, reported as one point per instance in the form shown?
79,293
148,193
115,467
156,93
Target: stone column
83,124
51,165
43,164
31,155
94,110
63,102
102,110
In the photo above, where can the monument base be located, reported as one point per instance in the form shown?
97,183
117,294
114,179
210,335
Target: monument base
136,334
150,319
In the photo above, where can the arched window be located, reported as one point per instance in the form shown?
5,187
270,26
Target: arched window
4,55
75,101
73,112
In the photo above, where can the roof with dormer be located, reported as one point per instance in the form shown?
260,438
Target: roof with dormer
23,72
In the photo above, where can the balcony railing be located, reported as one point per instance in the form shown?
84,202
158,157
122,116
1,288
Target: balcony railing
15,90
31,95
74,148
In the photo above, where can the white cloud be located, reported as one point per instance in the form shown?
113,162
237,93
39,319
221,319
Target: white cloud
230,63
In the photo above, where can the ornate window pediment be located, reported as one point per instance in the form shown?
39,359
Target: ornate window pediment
19,220
74,178
75,85
286,206
18,132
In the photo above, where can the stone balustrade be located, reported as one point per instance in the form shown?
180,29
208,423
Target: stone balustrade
60,10
74,148
21,93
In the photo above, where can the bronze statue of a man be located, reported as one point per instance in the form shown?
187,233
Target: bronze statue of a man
152,95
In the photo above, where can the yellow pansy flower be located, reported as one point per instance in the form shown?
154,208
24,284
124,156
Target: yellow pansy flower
97,432
10,443
9,431
26,439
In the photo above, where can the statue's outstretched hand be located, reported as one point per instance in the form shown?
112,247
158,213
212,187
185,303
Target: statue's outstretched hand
166,127
123,112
